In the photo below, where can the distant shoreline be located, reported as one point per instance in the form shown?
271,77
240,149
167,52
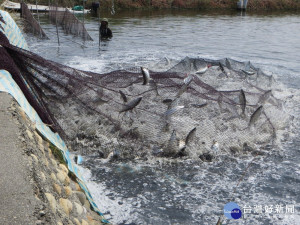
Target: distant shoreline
253,5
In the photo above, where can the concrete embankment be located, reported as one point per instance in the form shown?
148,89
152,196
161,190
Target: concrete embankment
36,186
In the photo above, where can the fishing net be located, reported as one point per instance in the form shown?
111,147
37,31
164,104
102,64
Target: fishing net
31,24
68,21
192,109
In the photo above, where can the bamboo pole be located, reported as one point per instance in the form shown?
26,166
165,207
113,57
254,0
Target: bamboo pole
99,23
56,26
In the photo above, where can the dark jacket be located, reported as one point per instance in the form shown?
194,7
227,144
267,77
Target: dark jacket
105,32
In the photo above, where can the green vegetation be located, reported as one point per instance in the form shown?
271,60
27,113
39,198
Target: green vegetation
57,154
253,5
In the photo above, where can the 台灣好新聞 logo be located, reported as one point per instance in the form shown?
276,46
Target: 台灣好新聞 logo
232,211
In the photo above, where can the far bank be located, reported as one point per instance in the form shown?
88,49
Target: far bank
253,5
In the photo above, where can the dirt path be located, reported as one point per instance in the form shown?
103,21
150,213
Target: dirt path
16,193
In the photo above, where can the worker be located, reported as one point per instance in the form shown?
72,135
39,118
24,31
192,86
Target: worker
105,32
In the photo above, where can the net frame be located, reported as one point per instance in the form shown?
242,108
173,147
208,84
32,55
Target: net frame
69,22
33,25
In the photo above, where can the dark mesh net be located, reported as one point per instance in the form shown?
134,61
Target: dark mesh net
68,21
31,24
115,113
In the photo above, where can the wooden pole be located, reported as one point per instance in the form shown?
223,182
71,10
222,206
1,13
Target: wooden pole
56,25
37,12
99,23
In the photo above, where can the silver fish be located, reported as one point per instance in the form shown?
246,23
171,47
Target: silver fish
171,111
153,84
131,105
215,146
146,75
203,70
181,90
248,66
242,98
265,97
186,83
222,69
227,63
190,136
123,96
188,79
199,105
254,117
249,72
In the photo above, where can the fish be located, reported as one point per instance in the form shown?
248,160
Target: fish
254,117
227,63
167,101
262,99
188,79
248,66
249,72
186,82
215,146
171,111
199,105
203,70
222,69
123,96
181,90
132,104
146,75
190,136
242,98
156,150
153,84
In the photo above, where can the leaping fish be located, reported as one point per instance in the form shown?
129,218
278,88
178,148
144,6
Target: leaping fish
146,75
131,105
254,117
242,98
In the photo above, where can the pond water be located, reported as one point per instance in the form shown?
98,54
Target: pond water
185,191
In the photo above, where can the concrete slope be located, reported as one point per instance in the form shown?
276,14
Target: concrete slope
17,201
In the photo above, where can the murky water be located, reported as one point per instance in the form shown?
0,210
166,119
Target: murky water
185,191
